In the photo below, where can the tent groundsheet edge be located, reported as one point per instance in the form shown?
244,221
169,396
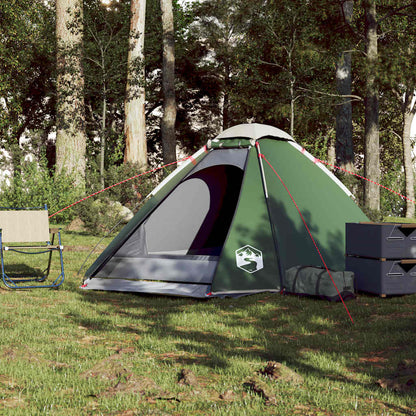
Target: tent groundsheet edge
162,288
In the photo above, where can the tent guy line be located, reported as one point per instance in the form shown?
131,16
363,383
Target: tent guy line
262,156
364,178
191,158
120,183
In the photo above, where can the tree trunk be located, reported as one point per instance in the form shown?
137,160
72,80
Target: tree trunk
331,155
70,112
344,144
292,83
292,106
409,110
103,138
372,149
226,122
103,118
169,101
134,106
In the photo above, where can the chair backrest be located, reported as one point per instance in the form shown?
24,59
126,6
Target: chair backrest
29,226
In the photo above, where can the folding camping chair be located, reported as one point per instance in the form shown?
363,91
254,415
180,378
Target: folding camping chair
26,231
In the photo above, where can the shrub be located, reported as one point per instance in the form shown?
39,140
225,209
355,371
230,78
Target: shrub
391,203
100,215
128,193
103,212
34,186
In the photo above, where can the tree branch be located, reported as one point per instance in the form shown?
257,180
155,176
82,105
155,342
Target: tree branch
327,94
395,11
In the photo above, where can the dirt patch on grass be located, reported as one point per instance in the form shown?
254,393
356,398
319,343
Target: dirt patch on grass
13,402
228,396
182,358
276,372
280,373
187,378
10,393
22,352
378,359
402,380
118,371
132,384
76,225
258,386
111,368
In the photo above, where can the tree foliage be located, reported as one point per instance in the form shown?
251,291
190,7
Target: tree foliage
265,61
105,68
27,97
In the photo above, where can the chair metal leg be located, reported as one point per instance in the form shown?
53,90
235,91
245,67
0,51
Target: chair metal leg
18,282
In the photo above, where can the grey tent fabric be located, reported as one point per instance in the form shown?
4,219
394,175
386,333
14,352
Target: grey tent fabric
233,157
173,225
254,131
160,288
195,269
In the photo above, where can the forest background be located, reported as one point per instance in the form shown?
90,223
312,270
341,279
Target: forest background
94,92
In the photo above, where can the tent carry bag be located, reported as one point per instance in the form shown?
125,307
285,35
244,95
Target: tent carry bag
315,281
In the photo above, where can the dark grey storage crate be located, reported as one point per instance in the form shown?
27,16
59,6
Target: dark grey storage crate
383,277
381,240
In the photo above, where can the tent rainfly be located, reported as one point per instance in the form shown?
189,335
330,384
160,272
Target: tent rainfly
224,224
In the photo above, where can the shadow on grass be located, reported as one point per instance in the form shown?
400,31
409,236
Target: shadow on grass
313,337
22,270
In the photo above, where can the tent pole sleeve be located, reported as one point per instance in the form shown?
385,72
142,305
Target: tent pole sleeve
263,178
272,226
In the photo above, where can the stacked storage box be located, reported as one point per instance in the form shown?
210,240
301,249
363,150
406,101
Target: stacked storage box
382,257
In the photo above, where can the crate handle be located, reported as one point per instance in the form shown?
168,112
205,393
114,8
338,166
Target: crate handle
406,265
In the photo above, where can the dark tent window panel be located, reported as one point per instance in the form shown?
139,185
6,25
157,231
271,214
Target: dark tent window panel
194,219
224,183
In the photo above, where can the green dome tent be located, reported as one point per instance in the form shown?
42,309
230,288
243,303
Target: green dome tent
227,223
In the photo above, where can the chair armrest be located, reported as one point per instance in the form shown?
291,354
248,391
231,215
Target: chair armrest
54,230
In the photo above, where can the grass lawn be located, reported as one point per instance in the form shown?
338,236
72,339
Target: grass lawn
74,352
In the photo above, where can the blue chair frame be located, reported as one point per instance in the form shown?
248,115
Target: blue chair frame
8,242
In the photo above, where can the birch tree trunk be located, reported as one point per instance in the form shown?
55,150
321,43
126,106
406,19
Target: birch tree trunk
70,111
344,144
409,111
372,149
134,105
103,137
226,97
169,101
290,51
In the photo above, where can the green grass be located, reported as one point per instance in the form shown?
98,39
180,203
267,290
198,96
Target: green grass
74,352
400,220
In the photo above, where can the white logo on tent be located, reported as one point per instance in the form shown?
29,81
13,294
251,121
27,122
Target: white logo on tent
249,259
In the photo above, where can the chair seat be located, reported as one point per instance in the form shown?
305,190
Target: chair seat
23,231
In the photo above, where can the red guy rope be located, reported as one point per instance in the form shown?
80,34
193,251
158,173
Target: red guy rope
310,234
364,178
119,183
